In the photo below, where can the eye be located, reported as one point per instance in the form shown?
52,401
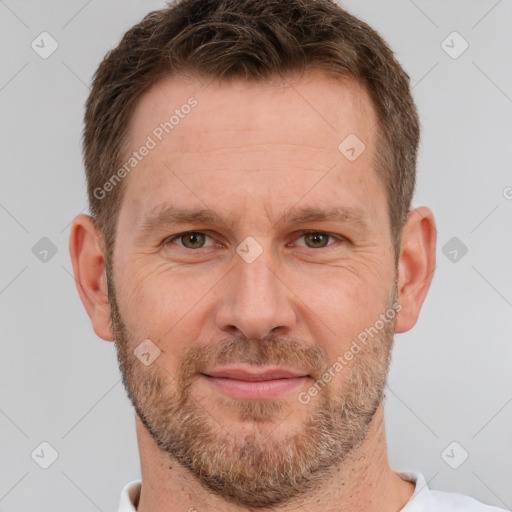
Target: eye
317,239
197,239
190,240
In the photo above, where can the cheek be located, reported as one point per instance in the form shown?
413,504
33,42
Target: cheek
342,305
163,305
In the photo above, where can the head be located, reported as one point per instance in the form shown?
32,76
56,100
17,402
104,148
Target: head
250,169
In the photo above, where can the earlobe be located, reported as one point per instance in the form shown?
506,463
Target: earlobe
416,265
90,273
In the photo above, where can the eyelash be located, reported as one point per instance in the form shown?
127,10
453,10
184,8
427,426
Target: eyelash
302,233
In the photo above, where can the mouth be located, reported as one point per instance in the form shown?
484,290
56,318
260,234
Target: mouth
246,383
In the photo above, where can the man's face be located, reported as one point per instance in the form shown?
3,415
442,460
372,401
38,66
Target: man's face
250,290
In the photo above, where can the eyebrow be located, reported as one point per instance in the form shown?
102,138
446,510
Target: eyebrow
344,214
168,215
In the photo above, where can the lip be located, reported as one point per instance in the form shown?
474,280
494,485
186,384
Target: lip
243,383
241,373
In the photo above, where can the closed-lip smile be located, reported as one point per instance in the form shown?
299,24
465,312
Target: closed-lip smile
246,382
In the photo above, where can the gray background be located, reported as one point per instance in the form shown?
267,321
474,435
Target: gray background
450,378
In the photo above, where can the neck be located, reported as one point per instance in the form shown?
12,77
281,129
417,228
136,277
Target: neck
364,482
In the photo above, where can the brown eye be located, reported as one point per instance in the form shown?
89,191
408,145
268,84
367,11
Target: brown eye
196,240
190,240
316,240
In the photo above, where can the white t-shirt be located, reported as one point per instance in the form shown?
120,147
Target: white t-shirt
422,500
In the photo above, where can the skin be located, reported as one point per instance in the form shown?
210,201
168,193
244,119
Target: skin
276,145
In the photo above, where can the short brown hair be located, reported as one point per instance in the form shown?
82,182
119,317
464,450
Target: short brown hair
251,40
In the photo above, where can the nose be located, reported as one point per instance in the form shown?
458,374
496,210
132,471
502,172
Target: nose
255,301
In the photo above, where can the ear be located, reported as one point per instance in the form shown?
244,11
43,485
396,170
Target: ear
88,262
416,265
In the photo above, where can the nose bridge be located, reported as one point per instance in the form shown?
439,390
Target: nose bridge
257,280
255,300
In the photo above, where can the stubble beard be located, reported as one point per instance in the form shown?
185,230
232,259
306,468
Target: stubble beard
260,469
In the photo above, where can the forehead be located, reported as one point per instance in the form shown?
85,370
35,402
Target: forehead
328,109
270,141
